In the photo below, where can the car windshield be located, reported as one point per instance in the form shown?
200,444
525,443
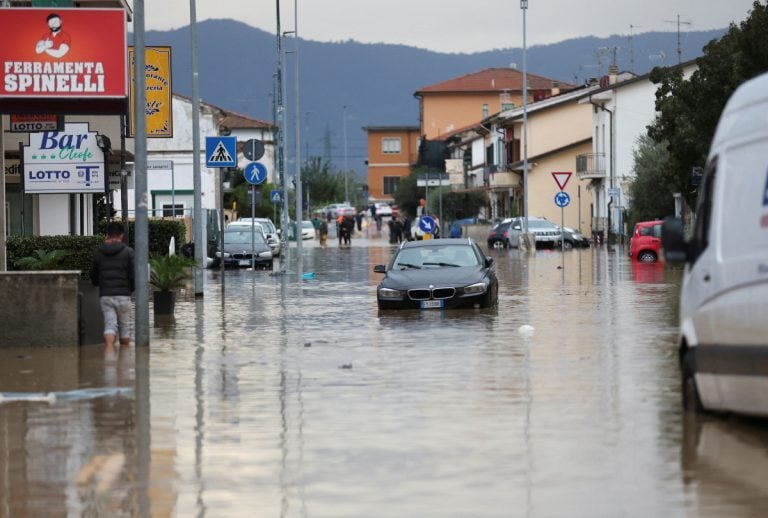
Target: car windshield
538,223
307,224
242,237
268,226
435,257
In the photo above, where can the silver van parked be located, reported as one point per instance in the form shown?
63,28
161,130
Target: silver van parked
724,297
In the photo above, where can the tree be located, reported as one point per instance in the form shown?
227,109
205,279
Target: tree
324,185
650,192
689,109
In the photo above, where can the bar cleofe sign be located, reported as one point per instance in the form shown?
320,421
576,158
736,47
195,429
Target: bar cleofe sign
63,53
66,161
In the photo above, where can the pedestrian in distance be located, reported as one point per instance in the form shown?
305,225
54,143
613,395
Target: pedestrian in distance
113,272
359,220
407,229
323,232
398,228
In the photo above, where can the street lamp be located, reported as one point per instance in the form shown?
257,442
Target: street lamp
346,186
524,7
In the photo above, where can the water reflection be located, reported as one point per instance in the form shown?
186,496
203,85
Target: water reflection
300,398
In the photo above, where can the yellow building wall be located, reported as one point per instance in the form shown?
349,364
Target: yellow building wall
542,189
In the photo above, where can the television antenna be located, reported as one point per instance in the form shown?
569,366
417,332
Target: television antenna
632,47
679,47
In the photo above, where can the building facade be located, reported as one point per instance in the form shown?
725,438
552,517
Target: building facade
392,153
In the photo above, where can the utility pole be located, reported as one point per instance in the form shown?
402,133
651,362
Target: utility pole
679,45
281,139
346,182
141,226
524,7
632,47
297,122
201,241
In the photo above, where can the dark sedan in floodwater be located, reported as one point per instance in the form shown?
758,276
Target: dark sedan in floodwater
437,273
237,249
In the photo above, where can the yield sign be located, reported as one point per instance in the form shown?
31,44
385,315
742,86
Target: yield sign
561,179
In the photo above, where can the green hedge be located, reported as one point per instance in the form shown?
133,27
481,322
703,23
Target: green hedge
81,248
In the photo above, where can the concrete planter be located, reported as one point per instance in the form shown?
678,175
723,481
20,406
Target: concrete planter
39,308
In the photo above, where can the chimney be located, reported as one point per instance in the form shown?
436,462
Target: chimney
592,81
555,87
613,72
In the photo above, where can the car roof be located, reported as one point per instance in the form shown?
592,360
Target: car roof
440,242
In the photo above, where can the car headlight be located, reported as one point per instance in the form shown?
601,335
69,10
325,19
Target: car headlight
387,293
226,254
265,254
473,289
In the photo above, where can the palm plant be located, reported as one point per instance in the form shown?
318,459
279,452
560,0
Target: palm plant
168,272
43,260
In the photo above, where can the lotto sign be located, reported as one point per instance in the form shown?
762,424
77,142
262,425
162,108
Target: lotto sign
66,161
75,53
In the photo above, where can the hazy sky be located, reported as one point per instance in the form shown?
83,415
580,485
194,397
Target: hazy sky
456,25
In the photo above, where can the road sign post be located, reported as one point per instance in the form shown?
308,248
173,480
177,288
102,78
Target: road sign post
562,199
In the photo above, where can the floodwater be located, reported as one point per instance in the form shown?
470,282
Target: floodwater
293,397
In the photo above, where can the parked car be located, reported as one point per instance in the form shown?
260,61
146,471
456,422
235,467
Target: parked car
270,232
645,243
241,244
547,234
724,295
574,239
308,230
437,273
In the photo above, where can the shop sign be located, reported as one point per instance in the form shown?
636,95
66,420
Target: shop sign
66,161
63,53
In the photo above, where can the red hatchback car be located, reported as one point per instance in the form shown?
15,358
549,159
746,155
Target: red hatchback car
645,243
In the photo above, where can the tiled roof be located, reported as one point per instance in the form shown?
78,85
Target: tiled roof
234,120
493,80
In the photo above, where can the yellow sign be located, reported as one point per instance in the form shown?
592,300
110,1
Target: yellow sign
159,107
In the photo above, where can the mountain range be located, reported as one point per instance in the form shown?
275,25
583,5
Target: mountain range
376,82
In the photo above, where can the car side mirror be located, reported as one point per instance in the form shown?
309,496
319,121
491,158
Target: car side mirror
488,261
673,241
380,268
279,232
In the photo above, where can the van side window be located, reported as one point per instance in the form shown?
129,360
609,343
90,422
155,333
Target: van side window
704,207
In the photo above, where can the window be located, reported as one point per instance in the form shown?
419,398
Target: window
390,145
703,222
169,212
507,106
390,185
485,111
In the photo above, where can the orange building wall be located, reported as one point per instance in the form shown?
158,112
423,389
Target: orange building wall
382,164
445,112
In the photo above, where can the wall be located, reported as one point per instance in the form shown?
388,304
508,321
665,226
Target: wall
447,112
388,164
39,308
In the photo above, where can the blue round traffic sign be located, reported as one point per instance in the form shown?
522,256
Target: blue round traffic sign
562,199
255,173
427,224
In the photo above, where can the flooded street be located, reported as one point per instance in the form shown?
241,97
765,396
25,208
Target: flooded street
283,396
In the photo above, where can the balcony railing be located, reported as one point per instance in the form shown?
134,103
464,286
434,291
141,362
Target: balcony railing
590,165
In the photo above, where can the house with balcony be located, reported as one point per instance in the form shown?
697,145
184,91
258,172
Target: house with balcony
622,108
491,153
392,154
461,101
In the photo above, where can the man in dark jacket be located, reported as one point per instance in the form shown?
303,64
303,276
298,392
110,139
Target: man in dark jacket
112,272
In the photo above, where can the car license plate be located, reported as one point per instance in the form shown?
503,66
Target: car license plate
245,262
431,304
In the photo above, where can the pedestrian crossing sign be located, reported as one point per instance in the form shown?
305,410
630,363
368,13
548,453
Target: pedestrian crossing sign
220,151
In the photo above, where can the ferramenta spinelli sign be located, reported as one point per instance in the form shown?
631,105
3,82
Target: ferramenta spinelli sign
66,53
66,161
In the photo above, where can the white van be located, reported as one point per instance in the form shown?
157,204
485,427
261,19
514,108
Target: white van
724,298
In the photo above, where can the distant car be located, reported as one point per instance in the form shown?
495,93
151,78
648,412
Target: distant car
498,236
307,230
383,209
339,209
270,232
645,243
574,239
241,244
437,274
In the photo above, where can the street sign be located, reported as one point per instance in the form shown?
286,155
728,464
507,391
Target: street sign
253,149
275,196
255,173
562,199
613,191
561,178
432,180
220,151
162,165
427,224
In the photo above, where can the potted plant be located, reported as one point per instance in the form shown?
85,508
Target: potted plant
166,274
